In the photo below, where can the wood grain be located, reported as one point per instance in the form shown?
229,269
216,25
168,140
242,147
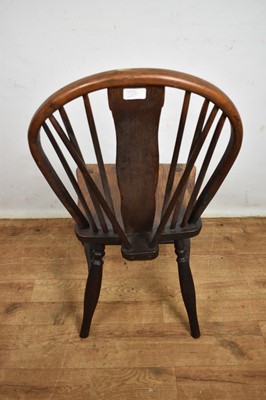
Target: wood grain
137,123
221,383
77,384
163,171
139,346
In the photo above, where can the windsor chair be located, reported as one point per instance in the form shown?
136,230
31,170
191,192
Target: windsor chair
137,201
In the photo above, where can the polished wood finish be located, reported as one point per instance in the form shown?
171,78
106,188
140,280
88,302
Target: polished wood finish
136,123
141,205
94,254
163,174
182,249
139,345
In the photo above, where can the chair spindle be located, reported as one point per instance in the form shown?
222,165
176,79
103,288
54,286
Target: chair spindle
200,123
73,152
95,193
204,168
98,152
70,176
197,143
70,131
179,136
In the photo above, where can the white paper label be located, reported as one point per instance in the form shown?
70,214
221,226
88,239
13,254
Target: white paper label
134,94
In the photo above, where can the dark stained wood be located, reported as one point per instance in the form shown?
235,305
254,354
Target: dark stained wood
75,154
136,123
204,168
70,131
179,136
138,203
94,254
182,250
196,147
163,175
200,123
71,176
98,152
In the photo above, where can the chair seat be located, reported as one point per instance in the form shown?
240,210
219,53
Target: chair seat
115,193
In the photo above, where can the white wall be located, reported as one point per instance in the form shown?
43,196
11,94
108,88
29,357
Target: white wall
47,44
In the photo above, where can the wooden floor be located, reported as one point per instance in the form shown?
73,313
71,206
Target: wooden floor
139,346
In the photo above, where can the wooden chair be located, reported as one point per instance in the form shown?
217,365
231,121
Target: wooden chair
136,201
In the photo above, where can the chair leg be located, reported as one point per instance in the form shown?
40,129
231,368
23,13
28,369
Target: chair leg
182,250
94,255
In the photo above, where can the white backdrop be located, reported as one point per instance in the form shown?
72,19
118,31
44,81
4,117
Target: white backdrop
47,44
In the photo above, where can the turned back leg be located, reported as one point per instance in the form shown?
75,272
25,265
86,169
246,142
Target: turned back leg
182,249
94,255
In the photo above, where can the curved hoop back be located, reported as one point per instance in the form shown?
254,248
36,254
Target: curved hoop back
137,123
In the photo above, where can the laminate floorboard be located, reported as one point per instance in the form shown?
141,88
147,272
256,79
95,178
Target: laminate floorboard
139,346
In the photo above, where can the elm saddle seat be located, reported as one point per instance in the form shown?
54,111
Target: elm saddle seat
137,202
